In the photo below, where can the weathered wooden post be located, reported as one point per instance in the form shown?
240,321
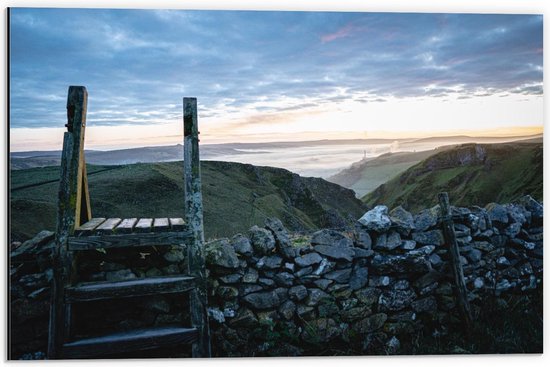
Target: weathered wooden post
70,211
450,239
194,219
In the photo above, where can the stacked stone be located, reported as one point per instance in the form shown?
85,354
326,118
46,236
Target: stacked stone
366,290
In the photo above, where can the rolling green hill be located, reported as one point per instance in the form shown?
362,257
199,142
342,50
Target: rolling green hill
472,174
366,175
236,196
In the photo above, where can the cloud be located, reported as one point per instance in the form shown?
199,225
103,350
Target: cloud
138,64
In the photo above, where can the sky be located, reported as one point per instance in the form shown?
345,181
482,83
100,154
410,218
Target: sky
272,76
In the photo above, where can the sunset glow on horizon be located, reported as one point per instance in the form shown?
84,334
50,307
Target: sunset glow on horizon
273,76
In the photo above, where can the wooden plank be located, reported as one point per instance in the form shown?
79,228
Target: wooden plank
177,224
126,226
88,227
194,218
108,226
144,225
127,240
460,284
86,206
129,288
130,341
68,214
161,224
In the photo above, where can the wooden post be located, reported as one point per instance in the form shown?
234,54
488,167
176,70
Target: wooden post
194,219
450,239
68,213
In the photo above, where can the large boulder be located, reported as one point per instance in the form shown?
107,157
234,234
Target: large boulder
328,237
376,219
263,300
221,253
407,263
402,219
262,240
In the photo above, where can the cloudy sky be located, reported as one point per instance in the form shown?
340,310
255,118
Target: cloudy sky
265,76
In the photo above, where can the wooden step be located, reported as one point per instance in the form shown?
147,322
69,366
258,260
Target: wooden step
128,240
110,226
128,288
129,341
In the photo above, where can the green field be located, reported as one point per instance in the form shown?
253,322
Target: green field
472,174
236,197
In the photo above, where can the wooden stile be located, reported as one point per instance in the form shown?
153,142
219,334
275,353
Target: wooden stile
76,230
194,219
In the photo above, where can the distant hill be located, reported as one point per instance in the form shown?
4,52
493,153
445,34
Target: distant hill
366,175
236,196
473,174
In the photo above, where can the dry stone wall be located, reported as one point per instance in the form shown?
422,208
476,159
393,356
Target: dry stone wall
366,290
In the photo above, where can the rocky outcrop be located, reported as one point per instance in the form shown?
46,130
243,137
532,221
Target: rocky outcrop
272,293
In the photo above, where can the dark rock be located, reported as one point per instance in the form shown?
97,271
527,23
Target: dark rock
270,262
399,264
124,274
262,300
518,214
422,251
379,281
483,246
428,304
297,293
426,219
376,219
171,269
328,309
534,207
435,260
231,278
43,241
221,253
474,255
244,319
305,312
362,237
242,245
287,310
282,240
396,300
227,293
356,313
359,277
303,272
339,276
401,285
334,252
368,296
324,267
250,288
323,283
315,296
174,255
266,282
408,245
216,314
402,219
512,230
251,276
497,213
434,237
388,241
284,279
370,324
262,240
309,259
328,237
360,253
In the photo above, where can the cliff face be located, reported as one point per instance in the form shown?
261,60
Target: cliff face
370,290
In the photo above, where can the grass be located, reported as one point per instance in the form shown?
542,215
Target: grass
236,196
508,172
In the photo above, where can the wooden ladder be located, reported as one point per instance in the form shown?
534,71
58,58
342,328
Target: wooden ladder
77,230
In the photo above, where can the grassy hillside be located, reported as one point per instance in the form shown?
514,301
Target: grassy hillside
366,175
236,196
473,174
